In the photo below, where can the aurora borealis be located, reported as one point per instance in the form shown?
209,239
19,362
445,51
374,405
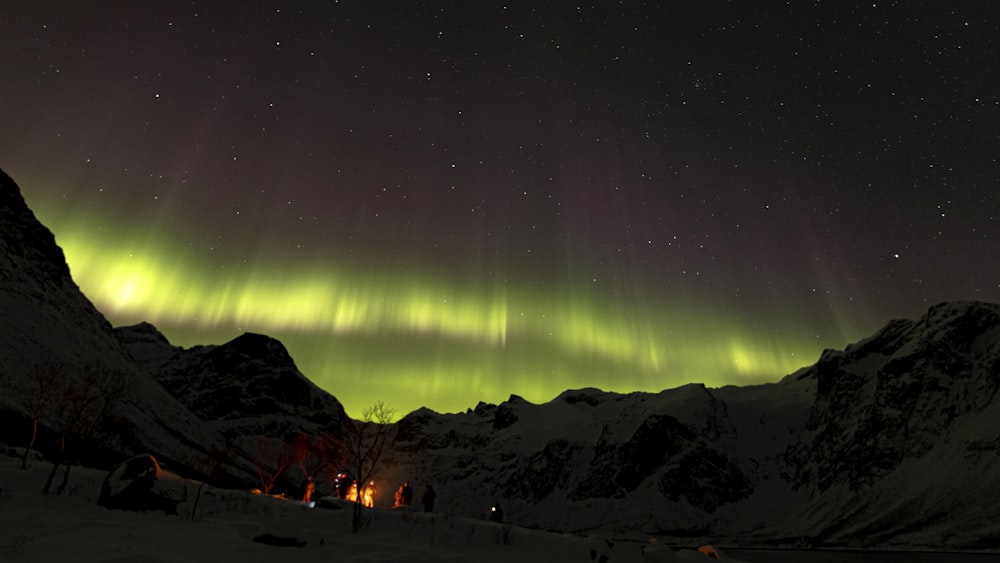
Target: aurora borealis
435,204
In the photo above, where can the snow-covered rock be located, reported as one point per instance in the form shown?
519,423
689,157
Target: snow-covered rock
139,483
877,444
249,386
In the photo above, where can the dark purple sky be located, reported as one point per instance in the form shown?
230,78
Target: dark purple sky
768,176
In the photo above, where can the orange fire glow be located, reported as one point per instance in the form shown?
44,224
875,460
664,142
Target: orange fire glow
368,494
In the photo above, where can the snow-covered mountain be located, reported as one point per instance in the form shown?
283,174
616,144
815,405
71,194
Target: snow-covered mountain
46,320
192,408
892,441
247,387
45,316
902,440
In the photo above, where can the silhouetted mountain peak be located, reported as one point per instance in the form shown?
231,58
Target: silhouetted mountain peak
26,246
258,347
48,317
142,332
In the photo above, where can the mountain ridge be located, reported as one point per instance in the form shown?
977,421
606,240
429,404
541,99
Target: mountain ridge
889,442
48,321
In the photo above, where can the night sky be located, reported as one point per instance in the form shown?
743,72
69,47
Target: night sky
438,203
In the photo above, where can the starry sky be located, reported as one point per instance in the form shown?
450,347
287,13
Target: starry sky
440,203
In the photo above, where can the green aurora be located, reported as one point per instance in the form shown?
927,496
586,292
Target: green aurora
437,205
417,338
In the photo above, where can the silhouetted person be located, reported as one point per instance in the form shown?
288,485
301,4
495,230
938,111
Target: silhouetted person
368,494
307,489
407,494
343,486
429,496
496,514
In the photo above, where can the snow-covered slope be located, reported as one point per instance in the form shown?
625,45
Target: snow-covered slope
902,441
646,463
220,525
246,388
892,441
45,316
46,320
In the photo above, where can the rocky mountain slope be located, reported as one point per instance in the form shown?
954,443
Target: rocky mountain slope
902,443
892,441
249,386
189,407
45,316
46,320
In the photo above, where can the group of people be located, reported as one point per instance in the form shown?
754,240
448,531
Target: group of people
347,489
367,493
343,488
404,496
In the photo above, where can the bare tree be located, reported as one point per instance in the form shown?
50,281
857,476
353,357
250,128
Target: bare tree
302,452
317,457
272,459
37,394
87,404
365,442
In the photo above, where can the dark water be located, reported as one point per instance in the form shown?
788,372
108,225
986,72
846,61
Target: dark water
823,556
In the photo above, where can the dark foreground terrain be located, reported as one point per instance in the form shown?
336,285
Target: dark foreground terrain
850,556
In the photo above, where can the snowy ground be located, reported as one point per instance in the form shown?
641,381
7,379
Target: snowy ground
860,556
223,527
